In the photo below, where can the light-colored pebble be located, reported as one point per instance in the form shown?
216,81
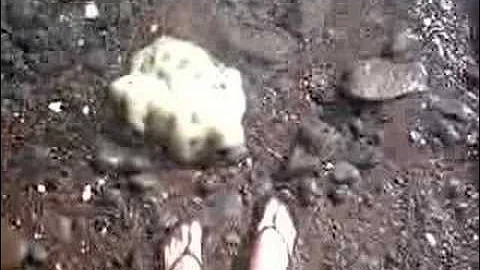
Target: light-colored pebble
55,106
87,193
91,10
431,239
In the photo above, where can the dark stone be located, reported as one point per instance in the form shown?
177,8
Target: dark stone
143,182
453,108
346,173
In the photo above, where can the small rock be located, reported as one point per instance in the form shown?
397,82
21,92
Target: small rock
379,79
55,106
340,194
431,239
91,10
453,108
143,182
87,193
41,188
346,173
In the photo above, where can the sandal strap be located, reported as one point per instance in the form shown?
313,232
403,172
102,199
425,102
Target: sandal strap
186,252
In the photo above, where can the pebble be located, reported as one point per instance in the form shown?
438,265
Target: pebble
378,79
153,28
87,193
143,182
55,106
453,108
86,110
41,188
346,173
91,10
431,239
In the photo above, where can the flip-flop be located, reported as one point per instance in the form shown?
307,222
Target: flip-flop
269,221
185,230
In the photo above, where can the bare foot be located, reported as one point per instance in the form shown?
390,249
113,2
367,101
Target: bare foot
184,250
276,236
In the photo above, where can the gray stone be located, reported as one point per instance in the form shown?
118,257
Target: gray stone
454,108
346,173
378,79
143,182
